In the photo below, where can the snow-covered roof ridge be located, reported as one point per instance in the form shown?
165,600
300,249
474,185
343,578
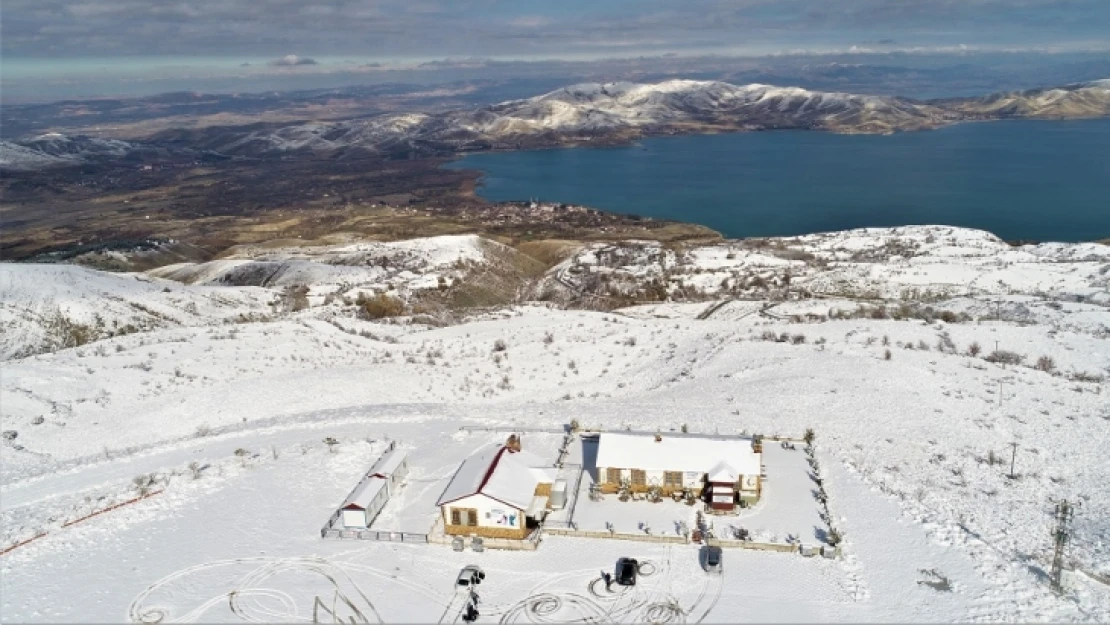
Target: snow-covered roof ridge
497,472
365,493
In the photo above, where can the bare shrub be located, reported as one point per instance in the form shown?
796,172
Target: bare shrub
379,306
1083,376
886,355
499,345
143,483
1046,364
974,349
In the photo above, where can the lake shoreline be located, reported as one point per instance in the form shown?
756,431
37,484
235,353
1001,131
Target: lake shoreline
560,175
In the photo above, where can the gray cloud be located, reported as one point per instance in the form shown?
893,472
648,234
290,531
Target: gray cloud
386,29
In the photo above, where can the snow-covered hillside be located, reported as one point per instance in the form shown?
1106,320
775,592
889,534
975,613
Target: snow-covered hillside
914,414
44,308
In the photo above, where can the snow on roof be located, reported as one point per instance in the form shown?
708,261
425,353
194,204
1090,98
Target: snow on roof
389,462
723,472
361,497
509,477
676,453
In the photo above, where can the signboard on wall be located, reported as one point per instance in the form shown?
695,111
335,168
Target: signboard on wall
501,517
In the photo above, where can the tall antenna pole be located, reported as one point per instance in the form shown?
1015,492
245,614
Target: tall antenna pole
1064,513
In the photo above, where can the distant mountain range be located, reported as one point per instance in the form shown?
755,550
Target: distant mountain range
585,113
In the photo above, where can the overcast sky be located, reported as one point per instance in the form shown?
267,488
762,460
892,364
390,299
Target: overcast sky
388,30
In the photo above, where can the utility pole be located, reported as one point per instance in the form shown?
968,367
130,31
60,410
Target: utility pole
1064,513
1013,457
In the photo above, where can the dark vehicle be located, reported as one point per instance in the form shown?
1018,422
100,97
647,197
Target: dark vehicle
626,571
711,559
471,575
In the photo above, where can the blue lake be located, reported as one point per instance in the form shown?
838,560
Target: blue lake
1039,180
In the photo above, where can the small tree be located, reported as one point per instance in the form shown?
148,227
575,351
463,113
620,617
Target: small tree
809,436
886,355
499,345
194,468
684,428
242,455
974,349
331,443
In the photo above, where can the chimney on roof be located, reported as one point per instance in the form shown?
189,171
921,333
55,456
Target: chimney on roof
513,444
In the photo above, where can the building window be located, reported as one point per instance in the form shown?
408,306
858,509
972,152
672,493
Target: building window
672,479
613,476
455,520
639,477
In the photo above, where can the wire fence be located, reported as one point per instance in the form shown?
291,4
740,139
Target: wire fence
383,536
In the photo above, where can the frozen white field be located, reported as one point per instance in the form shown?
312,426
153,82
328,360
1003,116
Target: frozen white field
904,444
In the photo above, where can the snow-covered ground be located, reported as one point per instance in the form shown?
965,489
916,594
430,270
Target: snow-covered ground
905,442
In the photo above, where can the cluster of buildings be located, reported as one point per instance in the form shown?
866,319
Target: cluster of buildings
504,491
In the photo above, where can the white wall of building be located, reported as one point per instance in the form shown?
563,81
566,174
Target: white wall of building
748,487
491,513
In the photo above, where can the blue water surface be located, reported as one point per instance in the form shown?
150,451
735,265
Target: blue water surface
1035,180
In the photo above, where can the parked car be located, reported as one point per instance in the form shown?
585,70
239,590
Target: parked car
470,575
626,571
711,559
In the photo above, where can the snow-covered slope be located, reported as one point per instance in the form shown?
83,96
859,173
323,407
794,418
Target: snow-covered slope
582,112
55,149
48,307
911,413
1088,99
624,109
595,106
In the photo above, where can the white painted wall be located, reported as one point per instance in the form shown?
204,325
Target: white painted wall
354,518
491,513
749,482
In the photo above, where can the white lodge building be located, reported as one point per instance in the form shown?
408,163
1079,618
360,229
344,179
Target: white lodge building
724,471
499,492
